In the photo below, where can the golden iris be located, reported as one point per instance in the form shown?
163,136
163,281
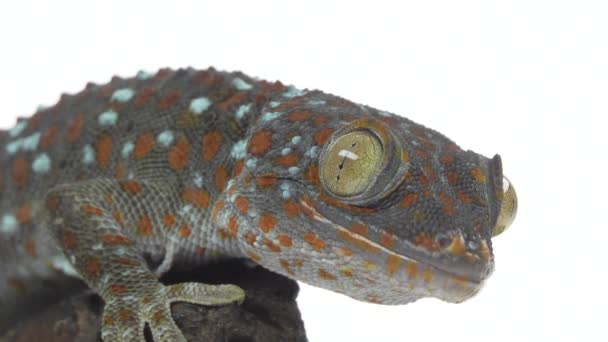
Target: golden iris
351,163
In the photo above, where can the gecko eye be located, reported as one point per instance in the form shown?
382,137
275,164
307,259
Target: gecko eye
351,163
508,209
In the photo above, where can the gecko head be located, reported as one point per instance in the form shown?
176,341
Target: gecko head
384,210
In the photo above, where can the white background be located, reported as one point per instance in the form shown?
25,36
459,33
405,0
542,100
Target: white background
526,79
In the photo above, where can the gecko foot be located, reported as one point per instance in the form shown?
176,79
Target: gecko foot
125,317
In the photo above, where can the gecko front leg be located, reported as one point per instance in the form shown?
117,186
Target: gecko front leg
102,226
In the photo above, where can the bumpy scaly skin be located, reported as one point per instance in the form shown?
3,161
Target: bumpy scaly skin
122,182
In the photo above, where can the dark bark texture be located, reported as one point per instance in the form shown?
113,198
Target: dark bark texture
269,313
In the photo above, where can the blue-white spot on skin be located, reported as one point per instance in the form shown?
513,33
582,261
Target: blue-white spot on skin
316,102
9,224
123,95
127,149
294,170
312,152
285,151
199,105
198,180
296,140
165,138
29,143
88,154
41,164
143,75
239,149
293,92
269,116
251,163
274,103
240,84
42,107
286,191
107,118
243,109
19,127
383,113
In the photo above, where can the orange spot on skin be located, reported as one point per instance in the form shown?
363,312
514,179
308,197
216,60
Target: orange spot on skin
30,248
233,226
18,286
360,229
326,275
267,222
120,170
216,209
427,275
143,96
145,226
92,267
387,240
108,198
169,100
254,256
212,142
347,272
485,251
69,240
48,137
285,265
312,174
233,100
118,289
285,241
323,135
241,204
411,269
104,150
447,159
169,220
271,246
426,240
125,315
456,247
238,167
464,197
250,237
198,197
291,208
178,155
143,145
392,264
358,241
91,210
131,187
291,159
408,200
20,171
75,128
118,217
345,251
113,239
266,181
453,178
184,231
260,143
478,175
316,243
299,115
321,119
221,178
24,213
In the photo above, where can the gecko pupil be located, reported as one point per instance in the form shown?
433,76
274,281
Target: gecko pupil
351,163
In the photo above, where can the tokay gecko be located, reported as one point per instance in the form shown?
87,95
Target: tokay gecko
122,182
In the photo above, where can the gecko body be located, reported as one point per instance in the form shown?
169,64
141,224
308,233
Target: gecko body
122,182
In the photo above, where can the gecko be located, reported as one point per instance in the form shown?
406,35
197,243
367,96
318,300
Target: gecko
122,182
